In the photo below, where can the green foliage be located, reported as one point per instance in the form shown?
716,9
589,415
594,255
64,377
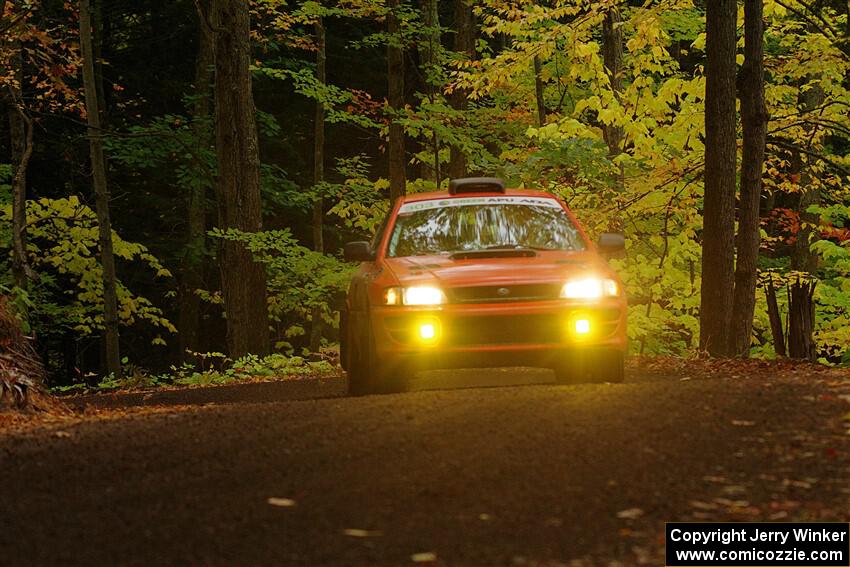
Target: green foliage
360,203
68,294
299,279
253,367
337,101
833,300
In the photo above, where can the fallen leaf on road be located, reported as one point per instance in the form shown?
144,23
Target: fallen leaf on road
732,503
282,502
354,532
426,557
62,434
630,514
797,483
784,505
699,505
485,517
743,423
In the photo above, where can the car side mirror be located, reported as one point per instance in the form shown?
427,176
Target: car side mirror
358,252
612,244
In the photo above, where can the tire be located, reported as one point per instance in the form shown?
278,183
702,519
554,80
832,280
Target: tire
582,367
610,367
367,374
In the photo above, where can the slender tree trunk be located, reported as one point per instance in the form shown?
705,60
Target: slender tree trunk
318,175
538,91
21,137
194,259
243,280
718,236
464,45
612,55
754,122
101,191
21,128
395,77
98,41
429,56
776,328
802,258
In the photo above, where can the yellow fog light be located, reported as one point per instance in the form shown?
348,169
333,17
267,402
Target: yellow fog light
582,326
427,331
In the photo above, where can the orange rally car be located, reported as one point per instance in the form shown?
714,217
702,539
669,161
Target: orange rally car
481,276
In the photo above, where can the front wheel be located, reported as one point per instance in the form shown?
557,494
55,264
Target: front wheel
583,367
367,374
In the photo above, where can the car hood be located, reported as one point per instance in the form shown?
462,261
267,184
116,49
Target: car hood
546,266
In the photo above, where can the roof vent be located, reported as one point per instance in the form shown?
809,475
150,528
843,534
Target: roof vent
476,185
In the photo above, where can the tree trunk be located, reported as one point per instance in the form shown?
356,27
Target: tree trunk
776,327
99,30
802,259
194,259
429,56
395,77
243,281
801,319
101,192
21,129
464,45
538,91
718,236
754,122
318,176
612,54
21,137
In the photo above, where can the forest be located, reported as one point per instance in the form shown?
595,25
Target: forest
178,178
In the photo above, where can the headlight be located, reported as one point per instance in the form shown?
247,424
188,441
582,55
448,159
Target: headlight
416,295
590,288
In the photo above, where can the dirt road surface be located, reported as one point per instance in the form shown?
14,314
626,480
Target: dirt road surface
508,470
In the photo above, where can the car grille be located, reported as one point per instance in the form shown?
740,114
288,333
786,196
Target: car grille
504,293
515,329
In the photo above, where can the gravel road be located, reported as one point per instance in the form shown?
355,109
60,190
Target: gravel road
535,474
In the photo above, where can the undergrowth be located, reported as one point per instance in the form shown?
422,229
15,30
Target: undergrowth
210,369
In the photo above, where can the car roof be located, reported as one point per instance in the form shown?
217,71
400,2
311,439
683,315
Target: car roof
413,197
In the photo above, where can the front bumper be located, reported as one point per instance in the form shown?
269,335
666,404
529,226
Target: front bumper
487,335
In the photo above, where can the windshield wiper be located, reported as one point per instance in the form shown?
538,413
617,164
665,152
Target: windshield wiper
495,252
517,247
503,247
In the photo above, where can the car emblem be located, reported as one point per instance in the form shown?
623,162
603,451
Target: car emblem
503,291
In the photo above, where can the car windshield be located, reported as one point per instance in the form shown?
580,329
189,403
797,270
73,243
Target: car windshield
483,223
